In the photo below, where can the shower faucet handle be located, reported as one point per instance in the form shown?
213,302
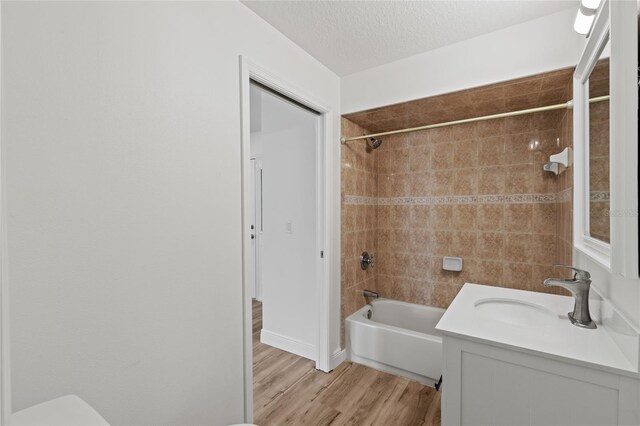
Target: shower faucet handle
366,260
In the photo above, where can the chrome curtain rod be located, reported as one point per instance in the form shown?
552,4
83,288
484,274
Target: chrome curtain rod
565,105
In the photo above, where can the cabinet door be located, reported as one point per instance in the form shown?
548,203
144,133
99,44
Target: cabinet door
495,392
488,385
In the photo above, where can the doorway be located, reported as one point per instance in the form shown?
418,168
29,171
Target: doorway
293,205
283,144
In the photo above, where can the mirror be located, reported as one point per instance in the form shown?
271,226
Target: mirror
591,116
598,136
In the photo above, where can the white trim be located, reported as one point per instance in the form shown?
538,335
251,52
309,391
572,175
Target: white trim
616,21
256,210
288,344
247,348
582,240
328,223
5,383
624,137
338,357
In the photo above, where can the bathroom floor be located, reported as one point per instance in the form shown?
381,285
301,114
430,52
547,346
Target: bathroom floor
288,390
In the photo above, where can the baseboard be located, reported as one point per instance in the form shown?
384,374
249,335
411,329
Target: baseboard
288,344
337,358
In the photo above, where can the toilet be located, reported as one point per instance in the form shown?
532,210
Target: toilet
68,410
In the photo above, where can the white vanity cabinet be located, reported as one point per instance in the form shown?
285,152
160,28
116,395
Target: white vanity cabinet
512,357
489,385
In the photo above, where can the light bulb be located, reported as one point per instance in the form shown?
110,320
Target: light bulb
591,4
582,24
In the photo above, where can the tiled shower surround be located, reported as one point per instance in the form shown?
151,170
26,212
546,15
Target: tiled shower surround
359,221
477,191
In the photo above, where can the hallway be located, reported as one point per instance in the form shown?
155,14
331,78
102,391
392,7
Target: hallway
288,390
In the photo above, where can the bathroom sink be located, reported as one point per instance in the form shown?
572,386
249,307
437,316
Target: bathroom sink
516,312
531,322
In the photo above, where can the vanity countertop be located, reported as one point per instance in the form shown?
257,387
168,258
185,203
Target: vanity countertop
478,314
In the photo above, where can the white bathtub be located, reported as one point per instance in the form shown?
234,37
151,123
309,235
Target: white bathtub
400,338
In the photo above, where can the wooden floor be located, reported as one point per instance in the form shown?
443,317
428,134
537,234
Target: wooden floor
288,390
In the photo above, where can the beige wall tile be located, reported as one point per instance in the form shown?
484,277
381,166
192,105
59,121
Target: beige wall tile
517,275
442,156
463,244
518,124
490,245
491,180
490,217
519,148
491,150
464,217
441,217
442,241
420,217
543,249
517,247
465,181
518,179
544,218
465,153
518,217
442,182
502,243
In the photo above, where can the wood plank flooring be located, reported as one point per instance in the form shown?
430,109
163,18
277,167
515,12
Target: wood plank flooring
288,390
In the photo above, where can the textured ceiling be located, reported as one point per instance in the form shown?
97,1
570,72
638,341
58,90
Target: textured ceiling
350,36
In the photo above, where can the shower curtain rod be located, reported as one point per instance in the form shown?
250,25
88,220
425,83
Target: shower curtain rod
567,105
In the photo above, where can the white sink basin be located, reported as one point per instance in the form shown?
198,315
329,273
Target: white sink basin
536,323
516,312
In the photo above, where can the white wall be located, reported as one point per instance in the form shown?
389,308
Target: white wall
121,123
533,47
285,139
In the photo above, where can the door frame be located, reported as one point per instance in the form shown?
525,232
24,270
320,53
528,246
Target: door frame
5,383
325,228
255,183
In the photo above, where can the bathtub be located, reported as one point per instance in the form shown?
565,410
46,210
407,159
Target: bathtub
399,338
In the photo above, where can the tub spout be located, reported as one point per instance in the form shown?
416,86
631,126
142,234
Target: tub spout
372,294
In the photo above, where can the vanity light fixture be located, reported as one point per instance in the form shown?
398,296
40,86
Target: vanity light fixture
591,4
585,16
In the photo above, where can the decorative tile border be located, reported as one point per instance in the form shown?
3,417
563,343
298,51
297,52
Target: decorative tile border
599,196
452,199
518,199
360,200
565,196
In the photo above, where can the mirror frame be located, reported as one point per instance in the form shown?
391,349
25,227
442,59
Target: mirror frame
610,25
598,250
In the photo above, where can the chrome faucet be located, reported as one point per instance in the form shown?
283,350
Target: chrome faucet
579,288
370,293
366,260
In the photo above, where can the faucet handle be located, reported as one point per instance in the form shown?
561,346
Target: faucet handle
580,274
